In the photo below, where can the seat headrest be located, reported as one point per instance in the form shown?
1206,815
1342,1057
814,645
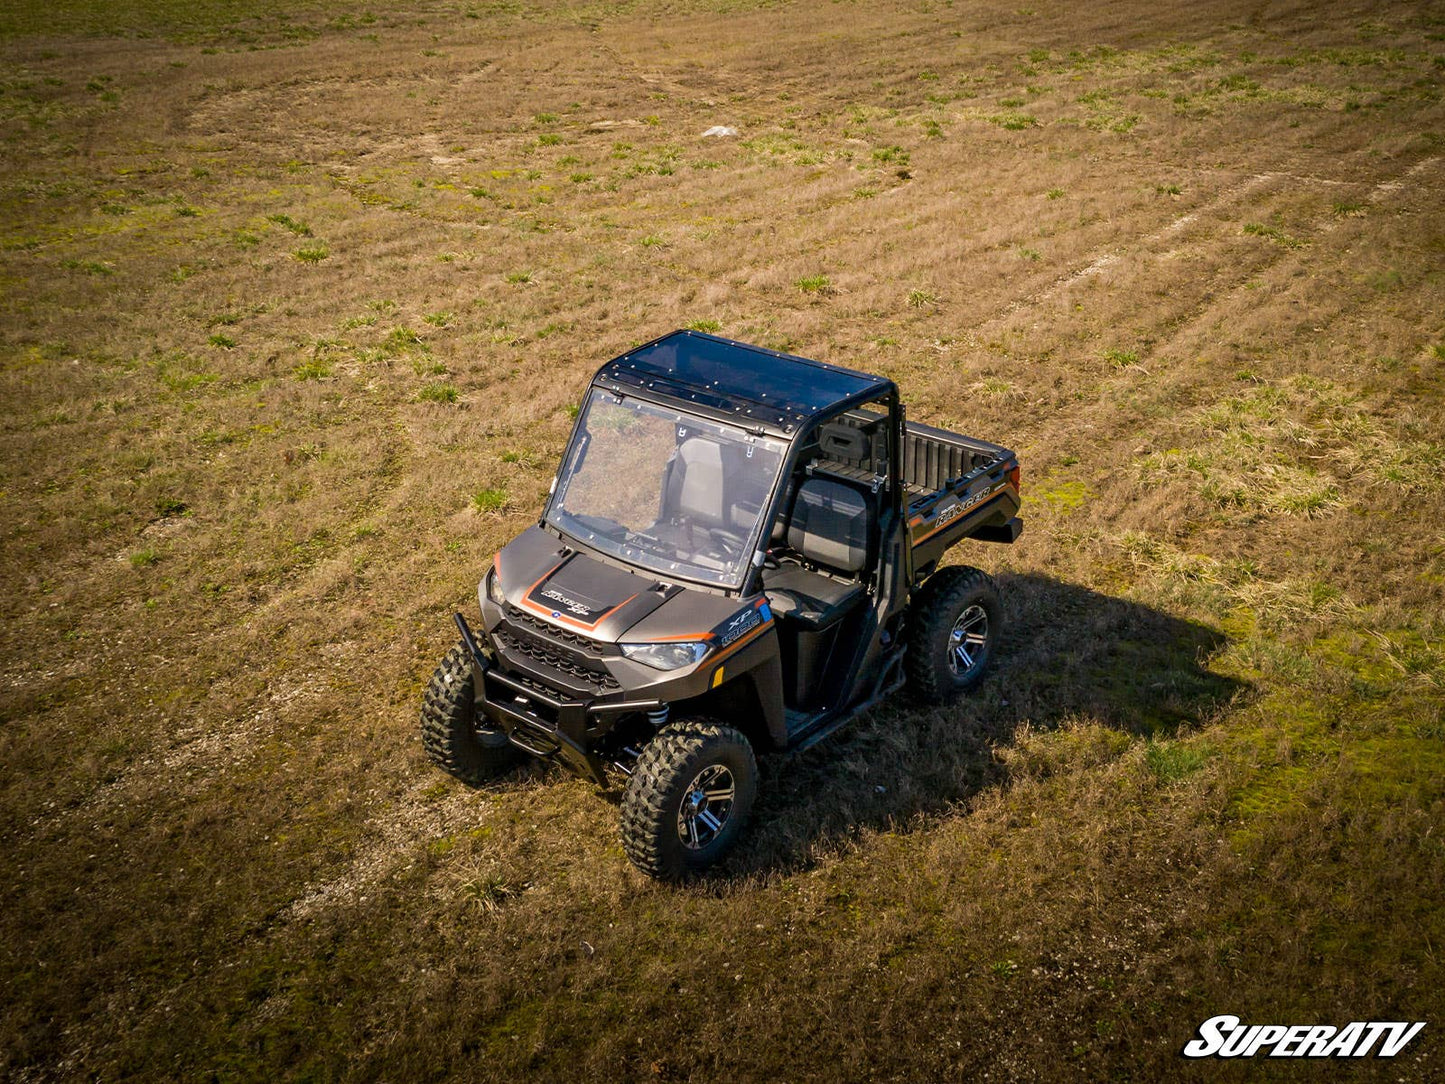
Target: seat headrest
831,525
698,474
845,442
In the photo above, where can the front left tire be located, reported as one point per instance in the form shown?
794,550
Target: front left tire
688,798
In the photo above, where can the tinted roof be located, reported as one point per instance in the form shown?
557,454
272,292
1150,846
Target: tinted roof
739,378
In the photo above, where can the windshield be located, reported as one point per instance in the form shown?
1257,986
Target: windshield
667,490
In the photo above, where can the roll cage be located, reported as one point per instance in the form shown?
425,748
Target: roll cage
765,392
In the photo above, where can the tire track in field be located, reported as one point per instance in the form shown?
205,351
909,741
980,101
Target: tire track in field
1208,312
396,834
1106,259
1383,190
400,829
1249,185
1377,193
200,752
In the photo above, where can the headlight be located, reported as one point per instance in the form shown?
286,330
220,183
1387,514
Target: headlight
667,656
494,589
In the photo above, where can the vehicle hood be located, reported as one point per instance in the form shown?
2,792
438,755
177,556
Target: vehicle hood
583,594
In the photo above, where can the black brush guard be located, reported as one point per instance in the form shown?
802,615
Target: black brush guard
539,722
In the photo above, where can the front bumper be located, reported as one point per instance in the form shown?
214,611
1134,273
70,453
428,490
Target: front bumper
542,721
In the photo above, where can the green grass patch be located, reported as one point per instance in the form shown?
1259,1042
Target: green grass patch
1063,497
1272,233
300,229
1171,761
400,340
489,500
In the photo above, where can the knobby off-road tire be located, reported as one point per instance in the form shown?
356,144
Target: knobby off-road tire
448,731
688,798
953,625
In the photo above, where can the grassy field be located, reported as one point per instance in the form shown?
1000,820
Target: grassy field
297,301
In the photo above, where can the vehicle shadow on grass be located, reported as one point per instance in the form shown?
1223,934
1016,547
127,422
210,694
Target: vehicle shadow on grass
1066,653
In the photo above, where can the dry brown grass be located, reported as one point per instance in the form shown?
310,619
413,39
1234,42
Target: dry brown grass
286,290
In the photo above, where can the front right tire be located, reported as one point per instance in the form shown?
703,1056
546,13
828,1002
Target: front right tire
688,798
449,731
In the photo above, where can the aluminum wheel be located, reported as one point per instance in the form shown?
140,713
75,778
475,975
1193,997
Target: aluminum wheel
967,641
706,805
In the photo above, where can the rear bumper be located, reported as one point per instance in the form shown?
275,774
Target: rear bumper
541,722
1006,533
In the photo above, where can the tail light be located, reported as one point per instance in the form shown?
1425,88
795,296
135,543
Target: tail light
1013,476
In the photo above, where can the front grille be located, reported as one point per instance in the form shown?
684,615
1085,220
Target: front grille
582,666
520,617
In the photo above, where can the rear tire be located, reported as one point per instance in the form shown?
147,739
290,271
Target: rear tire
449,733
688,798
953,623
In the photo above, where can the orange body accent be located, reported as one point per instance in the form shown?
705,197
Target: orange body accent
548,612
950,523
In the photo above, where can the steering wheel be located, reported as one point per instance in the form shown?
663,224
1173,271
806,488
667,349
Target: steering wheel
728,538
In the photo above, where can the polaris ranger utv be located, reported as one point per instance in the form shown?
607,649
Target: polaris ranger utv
740,552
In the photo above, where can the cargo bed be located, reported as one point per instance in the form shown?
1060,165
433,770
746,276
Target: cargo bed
955,487
958,487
